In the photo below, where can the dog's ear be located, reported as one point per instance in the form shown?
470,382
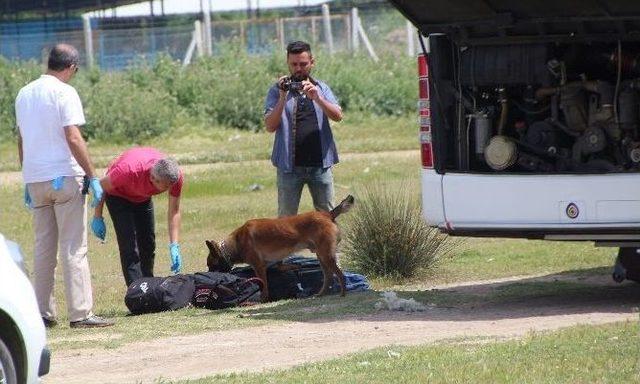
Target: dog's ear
212,247
347,203
214,256
344,206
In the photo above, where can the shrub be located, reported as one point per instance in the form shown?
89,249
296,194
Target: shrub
13,76
119,111
228,89
386,87
386,236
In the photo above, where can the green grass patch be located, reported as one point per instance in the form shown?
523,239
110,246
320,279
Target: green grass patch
197,143
217,199
582,354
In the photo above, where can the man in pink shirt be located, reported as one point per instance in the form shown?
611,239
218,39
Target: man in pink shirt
131,180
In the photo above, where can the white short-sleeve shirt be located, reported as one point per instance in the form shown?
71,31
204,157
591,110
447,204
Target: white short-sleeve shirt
43,108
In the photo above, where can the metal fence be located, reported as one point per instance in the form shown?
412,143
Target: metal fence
116,43
31,39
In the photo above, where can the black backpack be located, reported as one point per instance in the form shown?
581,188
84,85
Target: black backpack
216,290
156,294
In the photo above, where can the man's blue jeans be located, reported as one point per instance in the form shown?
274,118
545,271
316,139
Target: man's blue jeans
290,184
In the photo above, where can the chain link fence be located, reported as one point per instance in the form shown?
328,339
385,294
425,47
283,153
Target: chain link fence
117,43
31,40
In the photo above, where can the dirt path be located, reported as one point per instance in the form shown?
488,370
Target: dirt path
9,178
282,346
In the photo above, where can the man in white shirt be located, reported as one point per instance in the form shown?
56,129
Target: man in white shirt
54,160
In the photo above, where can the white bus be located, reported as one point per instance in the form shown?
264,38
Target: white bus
530,120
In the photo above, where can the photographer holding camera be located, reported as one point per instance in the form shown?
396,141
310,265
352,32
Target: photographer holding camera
298,109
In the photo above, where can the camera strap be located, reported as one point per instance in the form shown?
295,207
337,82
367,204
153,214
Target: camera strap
294,128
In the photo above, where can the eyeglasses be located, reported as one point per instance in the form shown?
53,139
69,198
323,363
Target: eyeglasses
75,68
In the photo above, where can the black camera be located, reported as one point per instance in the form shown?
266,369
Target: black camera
291,84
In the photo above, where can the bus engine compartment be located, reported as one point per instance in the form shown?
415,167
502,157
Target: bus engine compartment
541,107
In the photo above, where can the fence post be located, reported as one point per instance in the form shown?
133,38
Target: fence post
198,37
207,40
280,32
88,40
195,44
326,19
366,41
314,37
411,50
243,42
355,22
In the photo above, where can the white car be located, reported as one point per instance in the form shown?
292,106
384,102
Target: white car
24,355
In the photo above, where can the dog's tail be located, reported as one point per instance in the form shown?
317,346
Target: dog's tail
344,206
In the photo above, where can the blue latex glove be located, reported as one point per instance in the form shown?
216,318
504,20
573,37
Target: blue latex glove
96,191
176,258
98,228
57,183
27,198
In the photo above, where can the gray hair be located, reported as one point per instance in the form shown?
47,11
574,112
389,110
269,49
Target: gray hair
166,169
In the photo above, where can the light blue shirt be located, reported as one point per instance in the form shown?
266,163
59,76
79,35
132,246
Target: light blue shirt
283,144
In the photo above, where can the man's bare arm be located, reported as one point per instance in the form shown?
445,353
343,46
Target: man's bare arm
107,187
78,148
20,154
174,218
333,111
273,119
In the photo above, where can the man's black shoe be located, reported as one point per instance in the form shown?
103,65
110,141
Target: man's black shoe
49,323
92,321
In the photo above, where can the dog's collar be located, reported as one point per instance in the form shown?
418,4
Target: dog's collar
225,252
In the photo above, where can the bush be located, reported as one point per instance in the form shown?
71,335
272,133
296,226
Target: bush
13,76
228,89
117,110
387,87
386,236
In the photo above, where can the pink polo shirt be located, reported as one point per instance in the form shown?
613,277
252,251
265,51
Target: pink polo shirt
130,175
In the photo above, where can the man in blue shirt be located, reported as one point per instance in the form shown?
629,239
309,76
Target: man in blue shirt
298,109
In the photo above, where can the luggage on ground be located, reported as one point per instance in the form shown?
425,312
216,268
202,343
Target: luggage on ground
299,277
156,294
215,290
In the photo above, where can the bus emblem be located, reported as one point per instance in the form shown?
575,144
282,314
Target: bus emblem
572,211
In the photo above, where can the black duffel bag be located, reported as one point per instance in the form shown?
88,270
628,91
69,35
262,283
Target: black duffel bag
216,290
156,294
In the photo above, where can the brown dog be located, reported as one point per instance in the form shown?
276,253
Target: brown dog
261,240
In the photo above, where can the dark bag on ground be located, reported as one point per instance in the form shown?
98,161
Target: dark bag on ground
216,290
156,294
299,277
